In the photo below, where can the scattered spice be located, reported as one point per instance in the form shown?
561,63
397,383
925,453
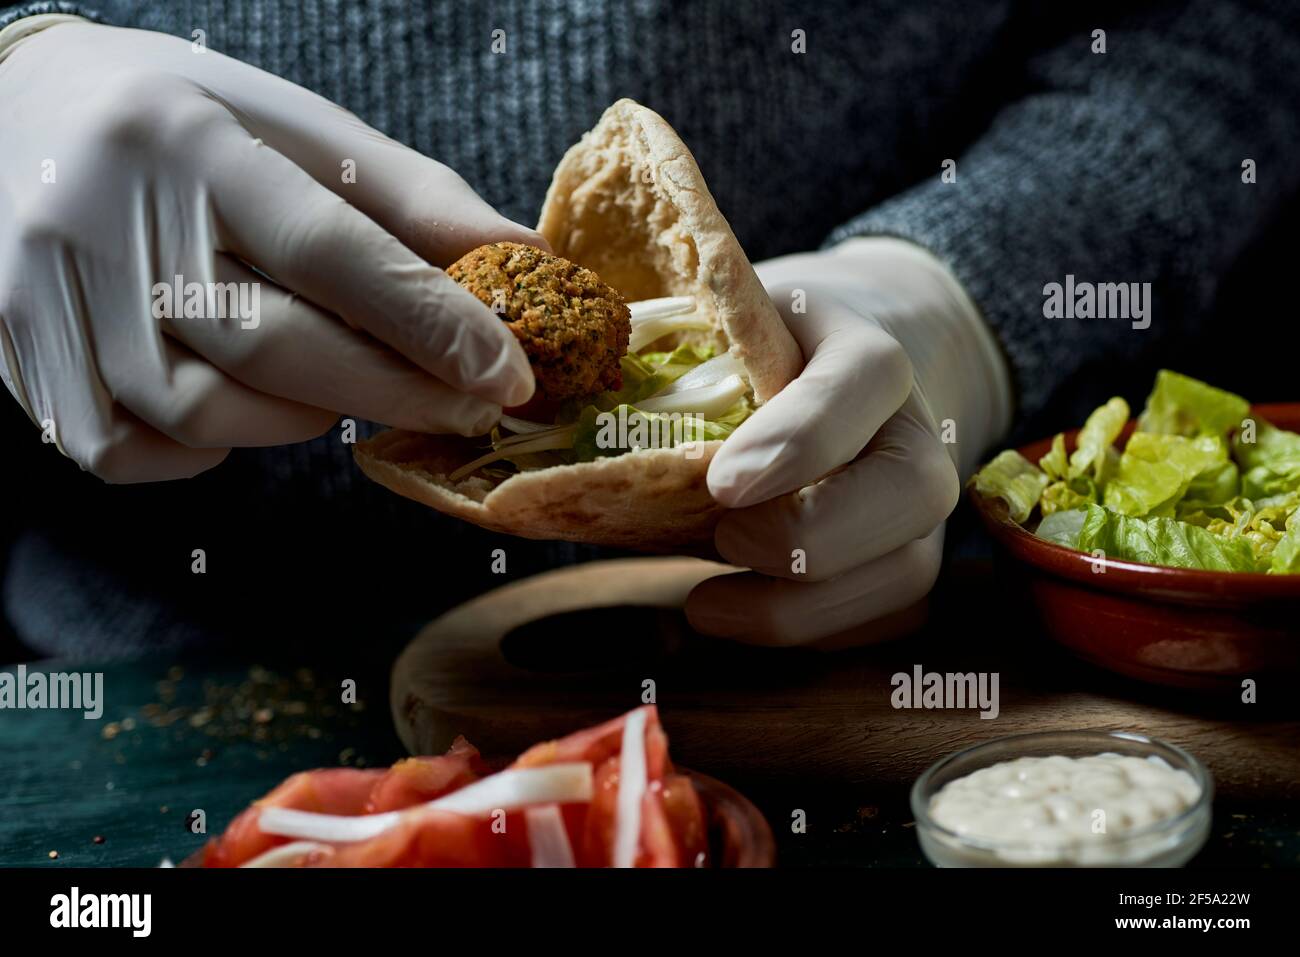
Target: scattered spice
54,855
98,839
268,709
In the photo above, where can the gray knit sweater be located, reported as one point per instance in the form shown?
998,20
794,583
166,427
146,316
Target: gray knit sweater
1117,166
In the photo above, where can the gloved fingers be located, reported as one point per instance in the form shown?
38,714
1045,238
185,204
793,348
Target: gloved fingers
755,609
278,219
901,487
10,372
117,447
787,272
105,438
296,351
194,403
896,624
425,204
856,377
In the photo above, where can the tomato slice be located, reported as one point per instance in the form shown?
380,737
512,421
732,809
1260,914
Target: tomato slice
439,839
329,791
593,745
658,846
595,847
686,819
420,779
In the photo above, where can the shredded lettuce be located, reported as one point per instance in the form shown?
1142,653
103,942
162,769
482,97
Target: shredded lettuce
611,423
601,434
1198,484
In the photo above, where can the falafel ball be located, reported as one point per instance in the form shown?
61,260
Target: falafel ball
574,328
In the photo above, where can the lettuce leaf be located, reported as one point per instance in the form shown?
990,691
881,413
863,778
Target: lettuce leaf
678,362
1181,405
1063,527
1285,559
1156,471
1259,523
641,380
1214,484
1096,437
1272,448
1065,496
1162,541
626,428
1014,479
1271,463
1056,463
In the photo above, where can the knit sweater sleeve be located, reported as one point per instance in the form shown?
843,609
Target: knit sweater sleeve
11,12
1122,166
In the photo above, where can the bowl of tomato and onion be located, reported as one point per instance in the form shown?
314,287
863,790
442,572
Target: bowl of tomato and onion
736,832
1183,627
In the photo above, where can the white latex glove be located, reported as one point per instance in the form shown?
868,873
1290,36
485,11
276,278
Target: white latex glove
130,158
849,462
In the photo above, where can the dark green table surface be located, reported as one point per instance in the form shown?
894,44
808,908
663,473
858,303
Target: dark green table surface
213,732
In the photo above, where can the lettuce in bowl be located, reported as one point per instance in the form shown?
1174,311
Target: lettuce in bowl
1199,484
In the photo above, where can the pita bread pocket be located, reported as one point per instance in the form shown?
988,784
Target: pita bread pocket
629,203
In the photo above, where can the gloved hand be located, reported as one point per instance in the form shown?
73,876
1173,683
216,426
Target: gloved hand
856,463
133,158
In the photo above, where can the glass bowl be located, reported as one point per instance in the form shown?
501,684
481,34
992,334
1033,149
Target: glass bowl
1171,842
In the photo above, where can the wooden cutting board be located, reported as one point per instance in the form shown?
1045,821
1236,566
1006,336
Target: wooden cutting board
546,655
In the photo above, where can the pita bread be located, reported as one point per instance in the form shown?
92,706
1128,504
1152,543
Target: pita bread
629,202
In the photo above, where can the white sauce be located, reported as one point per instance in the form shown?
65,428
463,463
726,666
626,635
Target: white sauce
1048,808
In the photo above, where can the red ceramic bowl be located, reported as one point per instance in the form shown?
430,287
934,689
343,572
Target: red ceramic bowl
1171,626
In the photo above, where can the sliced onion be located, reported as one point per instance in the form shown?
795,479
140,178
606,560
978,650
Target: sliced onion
288,855
553,438
667,306
308,825
508,790
552,783
632,781
709,401
510,441
706,373
547,838
523,426
646,331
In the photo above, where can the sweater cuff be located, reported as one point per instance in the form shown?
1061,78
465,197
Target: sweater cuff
1062,184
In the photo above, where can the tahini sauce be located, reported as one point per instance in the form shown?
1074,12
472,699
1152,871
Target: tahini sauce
1076,810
